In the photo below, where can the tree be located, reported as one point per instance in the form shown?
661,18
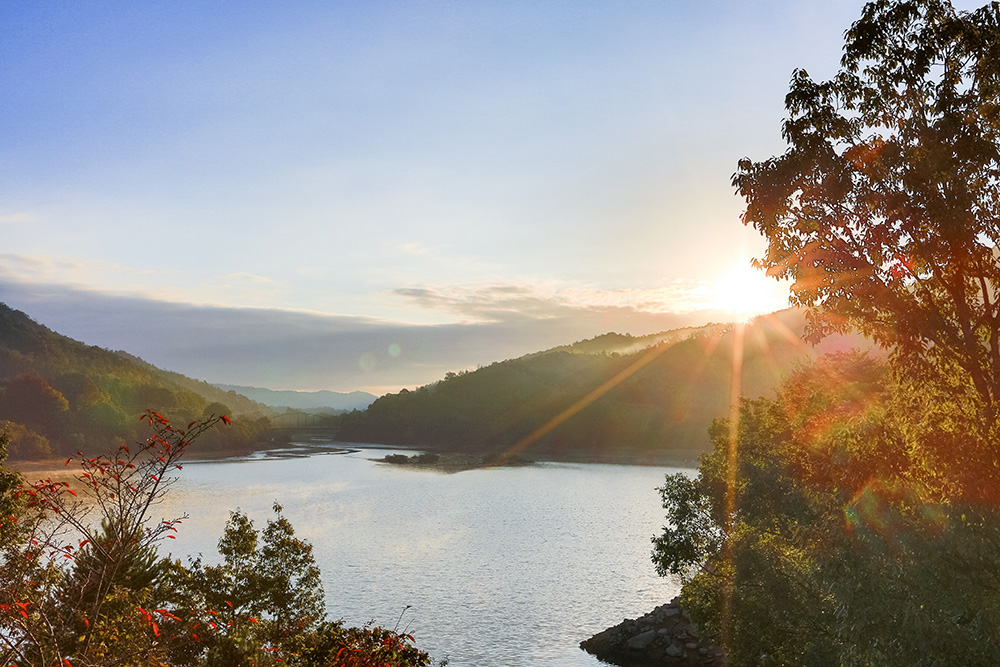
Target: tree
31,401
73,589
83,584
885,209
846,546
265,593
333,645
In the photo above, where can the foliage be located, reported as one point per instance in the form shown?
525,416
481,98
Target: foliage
333,645
267,590
78,591
61,396
648,404
849,546
864,498
885,209
24,443
84,585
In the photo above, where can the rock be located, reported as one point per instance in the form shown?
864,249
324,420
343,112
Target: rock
664,636
641,641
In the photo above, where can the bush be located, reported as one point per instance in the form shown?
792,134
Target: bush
84,585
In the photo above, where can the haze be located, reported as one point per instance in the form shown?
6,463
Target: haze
353,195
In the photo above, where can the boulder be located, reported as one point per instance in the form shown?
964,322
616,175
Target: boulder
664,636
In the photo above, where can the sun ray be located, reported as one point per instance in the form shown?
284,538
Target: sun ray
579,405
735,393
746,292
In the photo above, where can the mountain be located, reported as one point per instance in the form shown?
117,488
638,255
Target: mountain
238,404
58,395
304,400
611,398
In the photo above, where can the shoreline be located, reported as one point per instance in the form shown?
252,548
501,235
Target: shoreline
447,462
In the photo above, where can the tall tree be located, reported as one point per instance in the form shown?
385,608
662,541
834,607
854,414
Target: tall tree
885,209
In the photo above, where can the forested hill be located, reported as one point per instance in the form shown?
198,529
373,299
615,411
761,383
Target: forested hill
612,398
315,401
58,395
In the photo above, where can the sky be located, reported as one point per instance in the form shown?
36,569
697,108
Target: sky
366,195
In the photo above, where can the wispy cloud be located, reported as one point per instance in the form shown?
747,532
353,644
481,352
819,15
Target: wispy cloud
412,249
248,277
16,218
44,269
162,283
512,301
284,349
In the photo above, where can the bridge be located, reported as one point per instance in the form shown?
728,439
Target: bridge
303,421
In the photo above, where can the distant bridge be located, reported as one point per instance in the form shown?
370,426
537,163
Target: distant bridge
303,421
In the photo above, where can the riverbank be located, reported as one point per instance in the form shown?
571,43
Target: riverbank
452,461
447,462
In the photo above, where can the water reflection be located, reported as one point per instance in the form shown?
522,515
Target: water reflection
505,566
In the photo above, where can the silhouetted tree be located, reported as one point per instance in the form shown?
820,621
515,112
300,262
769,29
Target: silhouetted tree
885,209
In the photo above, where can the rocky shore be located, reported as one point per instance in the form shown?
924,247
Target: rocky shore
664,636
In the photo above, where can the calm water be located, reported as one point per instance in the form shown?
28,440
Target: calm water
506,566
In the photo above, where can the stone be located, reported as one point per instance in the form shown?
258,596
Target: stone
641,641
675,651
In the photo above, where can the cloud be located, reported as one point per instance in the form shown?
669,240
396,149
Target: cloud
45,269
16,218
510,301
284,349
243,276
412,249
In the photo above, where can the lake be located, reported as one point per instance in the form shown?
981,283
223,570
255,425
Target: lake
500,566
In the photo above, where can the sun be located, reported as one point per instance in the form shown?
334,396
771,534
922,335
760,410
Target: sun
746,292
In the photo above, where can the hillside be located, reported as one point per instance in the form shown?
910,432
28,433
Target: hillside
303,400
588,402
58,395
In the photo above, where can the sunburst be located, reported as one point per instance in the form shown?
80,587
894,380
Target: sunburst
746,292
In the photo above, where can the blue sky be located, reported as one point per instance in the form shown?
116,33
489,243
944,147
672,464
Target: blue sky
535,170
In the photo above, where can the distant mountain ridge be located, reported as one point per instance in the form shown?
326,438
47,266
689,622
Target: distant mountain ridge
617,343
303,400
615,398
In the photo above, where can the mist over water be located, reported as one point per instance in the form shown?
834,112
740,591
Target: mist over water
505,566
